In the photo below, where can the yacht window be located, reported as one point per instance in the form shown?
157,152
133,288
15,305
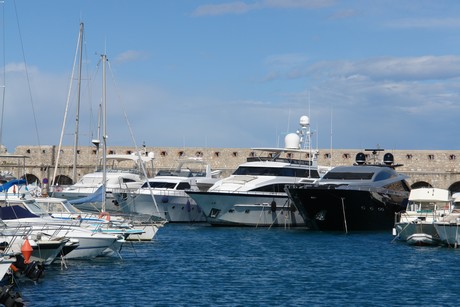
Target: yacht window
183,186
275,188
348,176
271,171
398,186
160,185
383,176
128,180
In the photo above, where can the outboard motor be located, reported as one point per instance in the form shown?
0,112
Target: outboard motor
388,159
360,158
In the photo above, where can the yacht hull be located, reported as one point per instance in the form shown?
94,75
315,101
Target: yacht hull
449,233
174,207
417,233
247,209
347,209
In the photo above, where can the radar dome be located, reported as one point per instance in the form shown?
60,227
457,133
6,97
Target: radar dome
292,141
360,158
304,121
388,158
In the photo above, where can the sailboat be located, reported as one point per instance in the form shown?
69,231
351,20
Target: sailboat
115,177
93,192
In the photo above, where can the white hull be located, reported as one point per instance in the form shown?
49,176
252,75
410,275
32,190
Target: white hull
148,234
44,249
418,233
174,207
91,244
449,233
5,264
91,247
248,209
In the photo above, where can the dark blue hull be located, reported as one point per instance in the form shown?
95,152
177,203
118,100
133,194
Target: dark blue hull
348,210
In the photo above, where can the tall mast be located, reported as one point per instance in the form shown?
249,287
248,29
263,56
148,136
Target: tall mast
79,44
104,131
77,114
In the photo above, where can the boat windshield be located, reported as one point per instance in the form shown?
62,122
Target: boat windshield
57,207
275,188
427,206
182,173
33,207
276,171
348,176
160,185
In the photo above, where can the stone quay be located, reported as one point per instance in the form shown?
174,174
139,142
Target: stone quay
432,168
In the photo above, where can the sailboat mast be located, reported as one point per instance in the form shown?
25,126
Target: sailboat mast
104,131
77,114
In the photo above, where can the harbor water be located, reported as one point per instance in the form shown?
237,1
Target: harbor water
200,265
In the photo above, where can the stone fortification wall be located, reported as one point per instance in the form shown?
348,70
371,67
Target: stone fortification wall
439,168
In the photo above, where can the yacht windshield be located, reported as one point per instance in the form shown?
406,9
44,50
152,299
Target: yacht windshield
34,207
160,185
348,176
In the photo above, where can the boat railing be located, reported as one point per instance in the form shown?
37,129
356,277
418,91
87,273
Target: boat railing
12,234
278,159
258,193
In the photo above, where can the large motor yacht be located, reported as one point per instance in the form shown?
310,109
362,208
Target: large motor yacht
364,196
254,194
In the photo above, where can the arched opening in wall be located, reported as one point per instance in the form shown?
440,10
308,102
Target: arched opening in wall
62,180
32,179
420,184
455,187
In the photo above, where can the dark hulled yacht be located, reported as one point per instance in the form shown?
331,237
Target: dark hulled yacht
364,196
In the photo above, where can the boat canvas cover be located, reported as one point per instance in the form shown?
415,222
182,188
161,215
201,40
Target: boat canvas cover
4,187
96,197
429,194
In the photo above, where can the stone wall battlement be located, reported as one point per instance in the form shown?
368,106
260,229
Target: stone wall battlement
438,168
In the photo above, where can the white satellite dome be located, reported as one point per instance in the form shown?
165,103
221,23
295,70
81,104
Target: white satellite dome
304,121
292,141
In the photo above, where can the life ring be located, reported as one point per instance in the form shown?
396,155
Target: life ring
105,215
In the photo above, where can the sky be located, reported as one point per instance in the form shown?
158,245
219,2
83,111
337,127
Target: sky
236,74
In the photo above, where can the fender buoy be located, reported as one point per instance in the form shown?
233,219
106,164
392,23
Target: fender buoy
273,206
26,250
13,268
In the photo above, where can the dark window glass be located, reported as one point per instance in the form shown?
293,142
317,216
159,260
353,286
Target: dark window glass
161,185
183,186
271,171
279,187
348,176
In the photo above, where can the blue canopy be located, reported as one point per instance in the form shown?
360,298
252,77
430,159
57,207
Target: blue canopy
4,187
96,197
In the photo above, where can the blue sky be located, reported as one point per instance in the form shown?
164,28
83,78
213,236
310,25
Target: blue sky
235,73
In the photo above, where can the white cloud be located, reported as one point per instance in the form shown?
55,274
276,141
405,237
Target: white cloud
131,56
391,68
240,7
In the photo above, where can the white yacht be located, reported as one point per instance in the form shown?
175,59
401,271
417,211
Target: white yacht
120,174
16,211
164,195
448,228
45,249
425,206
254,194
61,209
